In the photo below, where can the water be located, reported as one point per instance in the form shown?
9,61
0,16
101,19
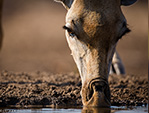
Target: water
113,109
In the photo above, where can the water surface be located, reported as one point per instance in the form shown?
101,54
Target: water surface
113,109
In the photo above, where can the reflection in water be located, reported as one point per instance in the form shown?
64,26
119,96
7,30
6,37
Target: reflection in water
96,110
113,109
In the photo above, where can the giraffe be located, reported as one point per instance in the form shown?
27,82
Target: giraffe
93,29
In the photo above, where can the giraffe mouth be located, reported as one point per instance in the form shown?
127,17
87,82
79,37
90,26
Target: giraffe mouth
97,93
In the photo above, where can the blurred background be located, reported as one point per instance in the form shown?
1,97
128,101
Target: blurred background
34,39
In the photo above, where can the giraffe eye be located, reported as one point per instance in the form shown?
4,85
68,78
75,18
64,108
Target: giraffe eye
70,31
71,34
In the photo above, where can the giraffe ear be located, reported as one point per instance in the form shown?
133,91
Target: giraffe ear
66,3
127,2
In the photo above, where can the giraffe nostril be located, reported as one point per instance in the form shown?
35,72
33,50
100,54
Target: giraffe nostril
96,86
97,93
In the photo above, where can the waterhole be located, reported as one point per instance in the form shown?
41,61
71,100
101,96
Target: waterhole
113,109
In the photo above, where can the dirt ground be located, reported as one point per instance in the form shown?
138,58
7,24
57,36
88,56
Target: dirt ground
34,47
41,88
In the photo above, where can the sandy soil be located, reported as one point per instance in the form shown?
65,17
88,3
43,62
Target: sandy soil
41,88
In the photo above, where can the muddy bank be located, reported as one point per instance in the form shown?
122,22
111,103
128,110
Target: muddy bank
42,88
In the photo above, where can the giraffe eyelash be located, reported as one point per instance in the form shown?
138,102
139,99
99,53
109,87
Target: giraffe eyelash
70,31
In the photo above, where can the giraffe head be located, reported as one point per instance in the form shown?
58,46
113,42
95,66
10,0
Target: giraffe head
93,28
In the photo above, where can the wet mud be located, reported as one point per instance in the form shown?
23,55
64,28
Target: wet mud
41,88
